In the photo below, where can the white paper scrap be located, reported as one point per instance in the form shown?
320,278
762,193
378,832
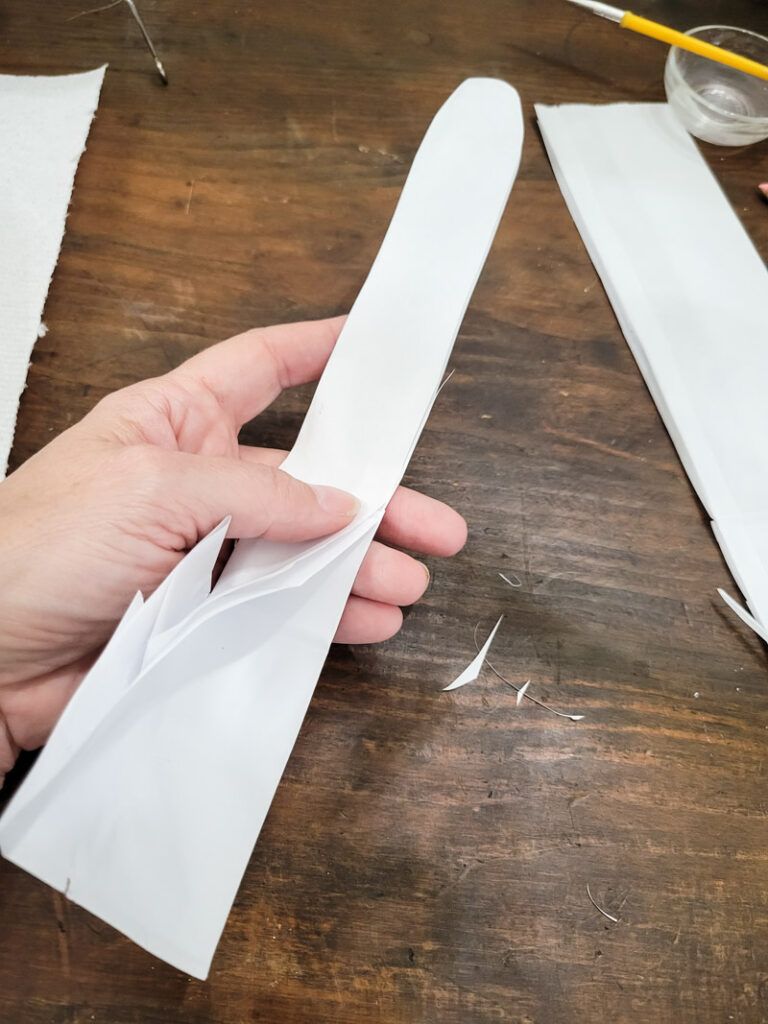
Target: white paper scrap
146,803
472,671
516,583
745,617
44,122
690,292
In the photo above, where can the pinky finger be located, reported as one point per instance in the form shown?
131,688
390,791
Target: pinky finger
368,622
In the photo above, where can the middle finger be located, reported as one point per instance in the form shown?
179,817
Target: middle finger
390,576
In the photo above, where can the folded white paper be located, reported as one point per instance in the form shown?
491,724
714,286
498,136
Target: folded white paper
146,802
691,295
44,123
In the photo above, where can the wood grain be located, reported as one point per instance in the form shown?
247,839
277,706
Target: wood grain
427,855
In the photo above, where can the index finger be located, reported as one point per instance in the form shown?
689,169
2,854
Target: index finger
249,371
412,520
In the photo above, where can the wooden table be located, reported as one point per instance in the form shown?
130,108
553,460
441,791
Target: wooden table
427,855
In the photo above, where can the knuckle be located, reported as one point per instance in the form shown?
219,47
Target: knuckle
143,468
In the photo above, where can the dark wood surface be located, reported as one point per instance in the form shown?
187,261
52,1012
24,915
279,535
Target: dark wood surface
427,855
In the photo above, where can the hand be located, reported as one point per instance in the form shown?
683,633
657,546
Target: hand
111,506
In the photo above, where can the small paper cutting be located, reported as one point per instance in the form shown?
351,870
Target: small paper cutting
472,671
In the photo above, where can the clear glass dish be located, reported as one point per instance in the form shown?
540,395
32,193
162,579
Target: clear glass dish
717,103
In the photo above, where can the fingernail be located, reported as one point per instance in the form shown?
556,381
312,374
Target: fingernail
426,570
338,503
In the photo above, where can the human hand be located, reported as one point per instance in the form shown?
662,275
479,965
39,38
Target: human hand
111,506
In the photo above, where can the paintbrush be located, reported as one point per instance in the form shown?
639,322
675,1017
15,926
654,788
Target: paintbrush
142,27
625,19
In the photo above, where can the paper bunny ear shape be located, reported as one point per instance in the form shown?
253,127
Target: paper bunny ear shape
146,803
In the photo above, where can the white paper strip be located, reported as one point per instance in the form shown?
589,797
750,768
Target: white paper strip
145,805
691,294
44,123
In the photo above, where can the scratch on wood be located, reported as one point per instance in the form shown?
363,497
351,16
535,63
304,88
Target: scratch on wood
93,10
189,197
60,909
597,445
575,800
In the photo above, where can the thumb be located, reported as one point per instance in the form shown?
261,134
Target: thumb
263,501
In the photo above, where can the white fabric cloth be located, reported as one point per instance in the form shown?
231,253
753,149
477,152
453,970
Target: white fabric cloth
690,292
44,122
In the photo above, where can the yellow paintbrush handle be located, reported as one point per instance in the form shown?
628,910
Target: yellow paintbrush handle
669,35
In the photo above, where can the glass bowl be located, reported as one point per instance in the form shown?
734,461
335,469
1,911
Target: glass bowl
717,103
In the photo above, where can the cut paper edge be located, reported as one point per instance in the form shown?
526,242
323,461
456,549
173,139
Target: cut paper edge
524,687
472,671
509,581
599,909
521,692
743,614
